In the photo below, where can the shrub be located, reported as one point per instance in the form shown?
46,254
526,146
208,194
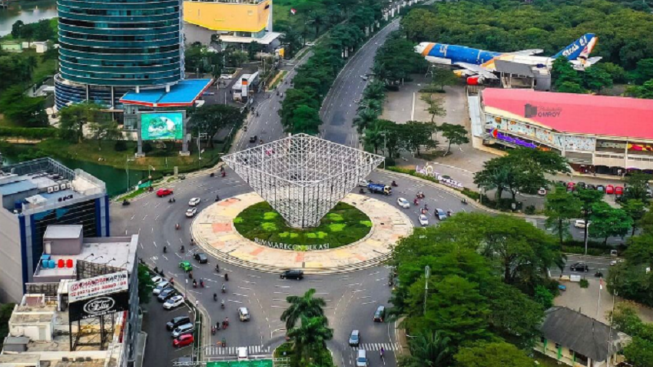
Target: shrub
147,147
471,194
530,209
584,283
120,146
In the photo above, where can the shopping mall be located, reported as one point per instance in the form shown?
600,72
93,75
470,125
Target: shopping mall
597,134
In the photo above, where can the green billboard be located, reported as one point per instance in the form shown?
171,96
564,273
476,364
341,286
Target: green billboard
162,126
256,363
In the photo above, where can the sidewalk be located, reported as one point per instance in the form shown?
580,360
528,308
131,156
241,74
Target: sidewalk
214,232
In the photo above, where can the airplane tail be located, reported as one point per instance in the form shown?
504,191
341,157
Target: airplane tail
582,47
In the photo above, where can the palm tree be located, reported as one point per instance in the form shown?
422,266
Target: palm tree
428,349
304,306
310,338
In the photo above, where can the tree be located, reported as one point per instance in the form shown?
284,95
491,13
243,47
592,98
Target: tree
635,209
396,60
497,354
442,77
645,91
427,349
644,71
514,315
310,338
570,87
210,119
640,250
608,221
587,199
5,314
434,105
145,284
637,186
639,352
104,130
304,306
414,135
22,110
562,72
16,29
596,79
560,207
455,134
543,296
73,118
306,120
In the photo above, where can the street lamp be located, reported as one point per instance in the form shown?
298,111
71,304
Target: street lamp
427,273
587,234
127,170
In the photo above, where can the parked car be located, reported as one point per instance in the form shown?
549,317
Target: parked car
609,189
243,313
354,338
163,192
185,266
363,77
579,267
175,322
201,258
183,329
403,203
379,314
579,223
165,294
161,286
194,201
618,190
561,183
581,185
183,340
157,279
363,183
191,212
600,188
541,191
440,214
570,186
174,302
361,358
253,139
423,220
591,187
292,274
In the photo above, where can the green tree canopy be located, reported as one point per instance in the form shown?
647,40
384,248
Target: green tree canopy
210,119
607,221
302,306
560,207
455,134
498,354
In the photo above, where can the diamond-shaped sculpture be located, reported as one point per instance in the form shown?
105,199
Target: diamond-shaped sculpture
302,176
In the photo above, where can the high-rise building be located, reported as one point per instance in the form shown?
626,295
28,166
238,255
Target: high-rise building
109,47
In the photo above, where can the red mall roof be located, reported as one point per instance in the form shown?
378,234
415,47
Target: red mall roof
577,113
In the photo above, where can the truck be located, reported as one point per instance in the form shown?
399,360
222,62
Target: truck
379,189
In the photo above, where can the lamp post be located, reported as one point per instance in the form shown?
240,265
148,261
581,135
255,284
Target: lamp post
427,273
587,234
127,170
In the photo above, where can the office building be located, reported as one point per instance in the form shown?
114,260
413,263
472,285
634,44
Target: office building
35,194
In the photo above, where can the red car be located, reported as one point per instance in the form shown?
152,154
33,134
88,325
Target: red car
609,189
183,340
163,192
619,190
570,186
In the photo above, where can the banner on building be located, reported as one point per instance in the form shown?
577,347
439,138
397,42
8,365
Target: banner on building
98,306
98,286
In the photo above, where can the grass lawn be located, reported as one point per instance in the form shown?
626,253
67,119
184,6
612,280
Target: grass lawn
343,225
163,158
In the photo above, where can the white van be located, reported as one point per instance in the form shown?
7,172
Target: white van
361,358
242,354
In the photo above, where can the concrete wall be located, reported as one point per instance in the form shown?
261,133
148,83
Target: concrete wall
11,281
68,246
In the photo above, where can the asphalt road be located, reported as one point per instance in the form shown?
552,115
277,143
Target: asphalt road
339,106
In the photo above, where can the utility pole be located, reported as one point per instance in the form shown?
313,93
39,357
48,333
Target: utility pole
587,234
427,273
127,170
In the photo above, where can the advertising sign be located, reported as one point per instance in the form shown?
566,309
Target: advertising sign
99,306
162,126
98,286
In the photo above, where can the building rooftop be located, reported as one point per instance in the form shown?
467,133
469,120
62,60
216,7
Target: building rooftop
265,40
581,333
42,184
61,231
576,113
182,94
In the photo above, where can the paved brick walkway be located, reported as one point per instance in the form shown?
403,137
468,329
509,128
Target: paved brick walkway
213,230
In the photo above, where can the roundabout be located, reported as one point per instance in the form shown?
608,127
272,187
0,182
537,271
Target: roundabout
214,230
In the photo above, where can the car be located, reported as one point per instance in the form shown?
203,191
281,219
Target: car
292,274
242,354
183,340
609,189
403,203
157,279
591,187
379,314
579,223
541,191
364,183
363,77
201,258
175,322
354,338
253,139
160,286
570,186
615,262
191,212
166,294
361,358
600,188
183,329
561,183
579,267
618,190
423,220
581,185
440,214
194,201
164,192
185,266
173,302
243,313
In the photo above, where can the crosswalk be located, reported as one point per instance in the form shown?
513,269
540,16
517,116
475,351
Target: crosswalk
377,346
227,351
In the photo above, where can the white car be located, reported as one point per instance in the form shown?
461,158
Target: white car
194,201
173,302
160,286
157,279
579,223
363,183
423,220
403,203
541,191
191,212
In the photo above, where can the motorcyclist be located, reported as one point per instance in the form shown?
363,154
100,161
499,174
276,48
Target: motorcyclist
217,268
165,249
183,248
226,277
381,352
201,283
215,297
177,226
217,198
192,241
224,288
222,304
194,283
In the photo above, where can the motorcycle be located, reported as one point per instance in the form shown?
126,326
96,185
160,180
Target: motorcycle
598,274
224,289
217,198
222,305
224,173
213,330
211,174
361,191
225,324
194,284
215,297
226,277
192,242
177,226
183,249
217,268
125,203
464,201
394,184
201,283
165,250
416,202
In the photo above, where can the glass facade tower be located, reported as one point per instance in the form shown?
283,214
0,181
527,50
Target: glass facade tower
109,46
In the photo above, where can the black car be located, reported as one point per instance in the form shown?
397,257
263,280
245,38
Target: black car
201,258
165,294
379,315
292,274
581,185
579,267
179,320
252,139
591,187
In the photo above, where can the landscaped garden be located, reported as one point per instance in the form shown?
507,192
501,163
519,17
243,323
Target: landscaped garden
343,225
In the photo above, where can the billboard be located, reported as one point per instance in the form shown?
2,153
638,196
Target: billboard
162,125
98,286
99,306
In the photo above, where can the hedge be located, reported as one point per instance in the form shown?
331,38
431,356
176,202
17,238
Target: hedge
28,132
